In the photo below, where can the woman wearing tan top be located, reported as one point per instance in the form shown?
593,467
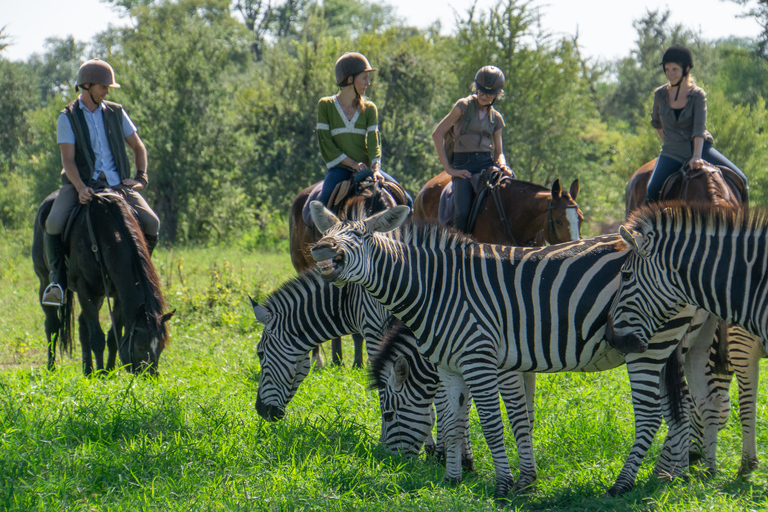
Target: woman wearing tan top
477,140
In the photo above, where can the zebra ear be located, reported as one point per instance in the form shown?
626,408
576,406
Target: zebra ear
401,370
322,216
632,239
263,315
388,219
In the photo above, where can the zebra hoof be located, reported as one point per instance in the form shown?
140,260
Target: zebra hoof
503,486
468,465
524,484
747,466
453,481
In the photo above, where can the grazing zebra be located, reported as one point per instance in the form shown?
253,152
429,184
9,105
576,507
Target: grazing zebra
476,308
716,260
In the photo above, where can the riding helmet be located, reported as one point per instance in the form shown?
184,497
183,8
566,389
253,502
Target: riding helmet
489,79
351,64
678,54
96,71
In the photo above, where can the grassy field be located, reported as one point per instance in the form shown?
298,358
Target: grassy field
191,440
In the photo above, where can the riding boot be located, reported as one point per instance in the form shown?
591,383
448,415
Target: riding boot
151,242
54,253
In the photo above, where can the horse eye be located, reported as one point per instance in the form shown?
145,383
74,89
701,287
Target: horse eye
559,222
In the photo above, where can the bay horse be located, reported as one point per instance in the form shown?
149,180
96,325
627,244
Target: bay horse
107,255
534,213
706,185
301,238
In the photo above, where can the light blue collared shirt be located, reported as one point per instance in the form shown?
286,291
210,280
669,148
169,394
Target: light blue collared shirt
95,120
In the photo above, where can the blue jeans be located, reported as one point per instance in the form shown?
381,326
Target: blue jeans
463,191
666,166
336,175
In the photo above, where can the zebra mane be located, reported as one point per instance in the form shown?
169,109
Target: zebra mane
677,216
279,299
389,349
431,235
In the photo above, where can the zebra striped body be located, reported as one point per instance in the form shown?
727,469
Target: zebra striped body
476,308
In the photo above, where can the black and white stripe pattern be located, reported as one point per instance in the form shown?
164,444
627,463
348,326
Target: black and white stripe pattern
476,308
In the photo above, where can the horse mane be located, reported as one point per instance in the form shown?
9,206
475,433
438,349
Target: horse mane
122,221
371,201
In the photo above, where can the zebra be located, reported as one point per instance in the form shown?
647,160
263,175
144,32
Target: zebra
476,308
712,259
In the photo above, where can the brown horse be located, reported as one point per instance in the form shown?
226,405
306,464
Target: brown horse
370,200
706,185
534,213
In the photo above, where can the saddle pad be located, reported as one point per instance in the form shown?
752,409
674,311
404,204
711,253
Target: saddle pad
313,196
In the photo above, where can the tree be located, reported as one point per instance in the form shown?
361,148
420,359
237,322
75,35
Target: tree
56,69
758,9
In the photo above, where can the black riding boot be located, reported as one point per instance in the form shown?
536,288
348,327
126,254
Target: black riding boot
151,242
54,253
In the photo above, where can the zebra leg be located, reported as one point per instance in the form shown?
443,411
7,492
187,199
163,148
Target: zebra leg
453,420
698,372
746,351
482,380
645,380
529,379
514,393
317,358
676,407
358,339
336,352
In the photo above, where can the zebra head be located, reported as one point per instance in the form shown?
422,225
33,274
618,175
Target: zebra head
407,385
282,368
645,300
341,254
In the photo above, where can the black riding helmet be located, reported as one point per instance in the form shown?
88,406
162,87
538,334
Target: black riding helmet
678,54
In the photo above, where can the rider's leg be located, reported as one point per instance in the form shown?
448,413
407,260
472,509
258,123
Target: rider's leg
53,245
333,177
665,166
463,194
149,220
713,156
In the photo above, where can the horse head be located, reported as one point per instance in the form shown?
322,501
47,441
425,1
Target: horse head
144,339
564,217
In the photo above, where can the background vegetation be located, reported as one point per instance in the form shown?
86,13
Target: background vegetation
224,95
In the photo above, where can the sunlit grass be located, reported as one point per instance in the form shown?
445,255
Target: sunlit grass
191,440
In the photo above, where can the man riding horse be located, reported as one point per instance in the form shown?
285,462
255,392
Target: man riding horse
91,134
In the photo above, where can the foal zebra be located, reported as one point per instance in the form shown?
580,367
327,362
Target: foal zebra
476,308
716,260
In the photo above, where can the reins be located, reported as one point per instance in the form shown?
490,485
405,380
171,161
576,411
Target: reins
104,277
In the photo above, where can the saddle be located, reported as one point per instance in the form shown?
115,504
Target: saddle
100,187
354,186
734,182
485,183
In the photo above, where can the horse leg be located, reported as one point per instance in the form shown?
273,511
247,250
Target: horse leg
52,331
112,341
358,339
336,352
85,344
94,341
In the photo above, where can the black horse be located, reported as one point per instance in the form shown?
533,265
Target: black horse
106,253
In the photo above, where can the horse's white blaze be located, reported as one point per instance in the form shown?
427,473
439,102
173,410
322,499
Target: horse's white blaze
572,215
155,343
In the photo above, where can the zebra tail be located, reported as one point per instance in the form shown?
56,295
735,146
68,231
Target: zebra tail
719,358
674,378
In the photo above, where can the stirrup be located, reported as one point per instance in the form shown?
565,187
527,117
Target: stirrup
53,295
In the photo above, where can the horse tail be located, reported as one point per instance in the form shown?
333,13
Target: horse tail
66,322
675,384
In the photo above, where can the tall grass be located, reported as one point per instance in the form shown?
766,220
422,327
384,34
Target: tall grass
191,439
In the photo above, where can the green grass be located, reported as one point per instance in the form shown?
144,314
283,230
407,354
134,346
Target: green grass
191,440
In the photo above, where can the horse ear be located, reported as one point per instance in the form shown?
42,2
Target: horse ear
556,190
167,316
401,370
322,216
574,189
388,219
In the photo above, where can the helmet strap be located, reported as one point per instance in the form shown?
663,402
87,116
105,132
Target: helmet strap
88,90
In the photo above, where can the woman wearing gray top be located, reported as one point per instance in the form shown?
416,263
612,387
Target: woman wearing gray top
476,127
680,118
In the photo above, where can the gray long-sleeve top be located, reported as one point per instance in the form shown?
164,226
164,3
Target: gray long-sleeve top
679,133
